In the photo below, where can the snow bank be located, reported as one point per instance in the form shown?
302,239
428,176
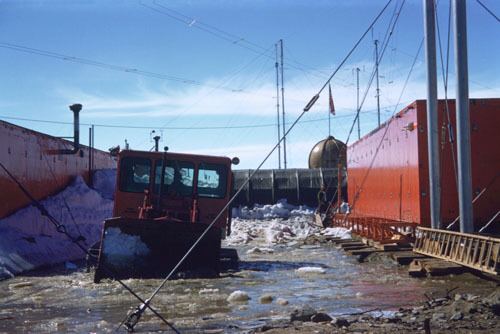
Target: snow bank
104,181
29,240
276,224
280,210
271,224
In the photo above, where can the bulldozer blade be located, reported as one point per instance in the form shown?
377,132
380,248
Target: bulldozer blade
143,248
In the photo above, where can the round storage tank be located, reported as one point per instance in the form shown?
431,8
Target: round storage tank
327,153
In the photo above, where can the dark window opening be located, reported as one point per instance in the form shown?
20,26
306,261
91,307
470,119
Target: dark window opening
134,174
178,179
212,180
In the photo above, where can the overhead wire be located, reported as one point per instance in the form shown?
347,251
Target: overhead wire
224,35
65,202
61,228
107,66
132,319
215,127
488,10
445,76
390,30
356,195
385,42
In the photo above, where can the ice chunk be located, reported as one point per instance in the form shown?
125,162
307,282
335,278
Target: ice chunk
339,232
310,270
238,296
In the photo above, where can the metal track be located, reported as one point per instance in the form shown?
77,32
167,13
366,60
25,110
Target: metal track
470,250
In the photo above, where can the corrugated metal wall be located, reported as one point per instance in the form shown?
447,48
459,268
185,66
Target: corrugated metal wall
297,186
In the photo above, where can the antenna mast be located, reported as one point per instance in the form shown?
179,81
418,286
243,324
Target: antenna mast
378,89
278,106
283,105
357,101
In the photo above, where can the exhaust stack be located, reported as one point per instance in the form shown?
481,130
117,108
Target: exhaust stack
76,108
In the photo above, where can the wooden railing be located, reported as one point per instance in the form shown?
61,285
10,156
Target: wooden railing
470,250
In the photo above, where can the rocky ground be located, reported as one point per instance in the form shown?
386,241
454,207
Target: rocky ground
447,312
457,313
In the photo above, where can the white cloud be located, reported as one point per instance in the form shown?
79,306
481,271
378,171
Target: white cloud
260,100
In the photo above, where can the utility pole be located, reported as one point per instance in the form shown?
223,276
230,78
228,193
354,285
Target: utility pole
283,105
278,106
432,113
357,101
378,89
463,118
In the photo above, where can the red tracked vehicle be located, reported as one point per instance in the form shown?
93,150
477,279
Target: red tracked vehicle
163,203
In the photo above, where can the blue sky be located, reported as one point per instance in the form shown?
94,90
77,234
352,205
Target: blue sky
211,64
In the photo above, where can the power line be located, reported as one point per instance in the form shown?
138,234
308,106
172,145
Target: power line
488,10
316,97
243,126
231,38
112,67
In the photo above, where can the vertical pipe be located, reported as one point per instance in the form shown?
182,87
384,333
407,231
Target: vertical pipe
90,156
463,118
278,106
93,145
339,185
297,179
76,108
432,114
378,89
157,141
283,105
329,123
273,187
357,101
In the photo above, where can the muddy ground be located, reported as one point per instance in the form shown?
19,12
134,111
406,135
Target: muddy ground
333,294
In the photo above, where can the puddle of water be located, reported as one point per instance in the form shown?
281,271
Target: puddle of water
62,301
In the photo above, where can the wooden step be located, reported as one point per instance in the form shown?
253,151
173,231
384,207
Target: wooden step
364,251
405,257
351,248
351,244
434,267
392,247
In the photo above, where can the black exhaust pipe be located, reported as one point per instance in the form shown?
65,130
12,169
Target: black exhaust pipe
76,108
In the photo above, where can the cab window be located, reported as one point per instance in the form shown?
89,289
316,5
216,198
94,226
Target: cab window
134,174
212,180
178,179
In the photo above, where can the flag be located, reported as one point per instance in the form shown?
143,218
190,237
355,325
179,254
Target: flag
332,107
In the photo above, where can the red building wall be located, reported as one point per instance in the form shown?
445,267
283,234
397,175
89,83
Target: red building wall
393,183
31,156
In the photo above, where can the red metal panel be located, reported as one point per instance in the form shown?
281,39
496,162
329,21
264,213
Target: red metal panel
393,184
30,156
383,171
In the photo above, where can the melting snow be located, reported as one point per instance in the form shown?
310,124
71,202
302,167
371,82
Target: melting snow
123,249
310,270
275,224
337,232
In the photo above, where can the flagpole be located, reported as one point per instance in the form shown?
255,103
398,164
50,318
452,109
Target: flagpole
329,124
